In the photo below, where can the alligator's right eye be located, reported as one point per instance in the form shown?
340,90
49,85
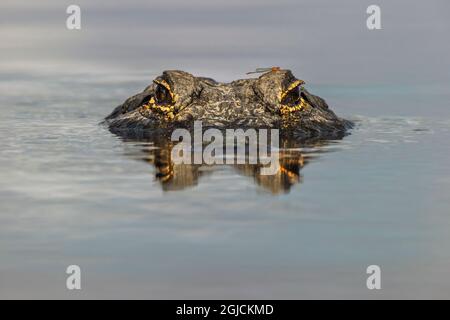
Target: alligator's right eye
162,95
292,98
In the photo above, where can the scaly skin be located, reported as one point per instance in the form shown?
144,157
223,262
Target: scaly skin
274,100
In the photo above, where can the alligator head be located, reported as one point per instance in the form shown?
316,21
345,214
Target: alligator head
276,99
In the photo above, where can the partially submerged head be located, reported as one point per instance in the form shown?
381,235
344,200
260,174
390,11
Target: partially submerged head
276,99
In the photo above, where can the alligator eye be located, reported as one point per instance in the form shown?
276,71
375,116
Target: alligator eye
162,95
292,98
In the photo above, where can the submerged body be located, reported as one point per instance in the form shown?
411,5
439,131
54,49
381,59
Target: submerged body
274,100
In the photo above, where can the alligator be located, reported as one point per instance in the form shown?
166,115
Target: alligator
275,99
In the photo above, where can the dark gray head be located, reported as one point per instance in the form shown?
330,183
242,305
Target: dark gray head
276,99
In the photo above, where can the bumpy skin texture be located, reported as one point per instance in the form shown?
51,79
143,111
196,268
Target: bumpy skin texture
274,100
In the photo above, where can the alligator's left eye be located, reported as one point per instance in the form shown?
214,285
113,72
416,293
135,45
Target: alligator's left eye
292,97
162,95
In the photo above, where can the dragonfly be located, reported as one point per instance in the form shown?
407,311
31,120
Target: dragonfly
263,70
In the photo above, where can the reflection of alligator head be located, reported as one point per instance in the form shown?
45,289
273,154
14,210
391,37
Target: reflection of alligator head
293,155
274,100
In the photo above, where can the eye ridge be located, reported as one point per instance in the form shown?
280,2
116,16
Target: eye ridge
163,94
292,98
162,101
292,93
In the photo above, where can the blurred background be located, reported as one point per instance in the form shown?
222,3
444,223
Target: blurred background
322,41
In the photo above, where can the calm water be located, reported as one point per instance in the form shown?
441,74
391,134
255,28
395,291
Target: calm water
73,193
